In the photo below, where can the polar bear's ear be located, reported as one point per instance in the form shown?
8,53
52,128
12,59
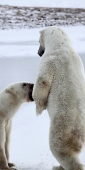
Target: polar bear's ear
52,32
9,91
41,32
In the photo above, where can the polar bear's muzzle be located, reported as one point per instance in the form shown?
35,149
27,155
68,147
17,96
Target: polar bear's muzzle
28,87
30,91
41,50
30,96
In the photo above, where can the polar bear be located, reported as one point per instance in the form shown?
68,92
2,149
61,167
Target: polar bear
60,88
11,98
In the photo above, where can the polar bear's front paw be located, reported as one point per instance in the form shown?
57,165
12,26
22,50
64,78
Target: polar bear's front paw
8,168
12,169
40,106
39,110
11,164
57,168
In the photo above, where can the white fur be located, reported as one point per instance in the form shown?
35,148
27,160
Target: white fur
60,88
11,99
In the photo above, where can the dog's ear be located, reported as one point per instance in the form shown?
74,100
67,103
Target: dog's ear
10,92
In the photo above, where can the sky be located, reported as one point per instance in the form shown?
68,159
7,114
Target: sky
46,3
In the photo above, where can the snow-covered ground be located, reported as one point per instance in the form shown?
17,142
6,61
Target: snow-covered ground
19,62
13,17
24,42
46,3
34,14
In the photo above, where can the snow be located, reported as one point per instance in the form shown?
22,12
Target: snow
19,62
20,41
46,3
13,17
24,42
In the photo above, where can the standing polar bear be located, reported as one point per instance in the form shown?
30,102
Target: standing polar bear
11,99
60,88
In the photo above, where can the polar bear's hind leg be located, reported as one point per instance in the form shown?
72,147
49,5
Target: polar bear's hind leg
71,162
3,160
7,143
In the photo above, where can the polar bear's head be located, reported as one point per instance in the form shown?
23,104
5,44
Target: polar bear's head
20,91
52,38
